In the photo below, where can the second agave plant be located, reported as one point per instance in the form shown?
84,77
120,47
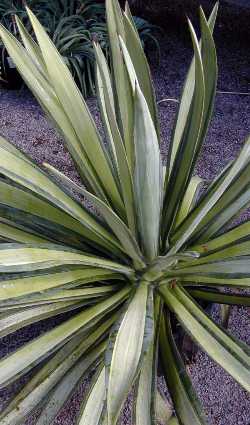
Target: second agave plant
147,259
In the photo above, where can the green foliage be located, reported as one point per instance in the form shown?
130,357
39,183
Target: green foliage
154,251
73,25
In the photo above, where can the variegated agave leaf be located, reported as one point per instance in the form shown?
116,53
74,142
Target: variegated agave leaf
152,253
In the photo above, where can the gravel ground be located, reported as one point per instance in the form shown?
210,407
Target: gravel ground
22,122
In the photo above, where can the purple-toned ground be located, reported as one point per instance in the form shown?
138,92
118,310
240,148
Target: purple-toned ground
22,122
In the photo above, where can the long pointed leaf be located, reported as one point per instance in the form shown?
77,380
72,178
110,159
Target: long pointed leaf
186,99
40,385
18,169
189,144
92,410
127,352
145,391
148,175
119,152
25,208
220,346
32,353
13,233
45,94
39,257
115,223
187,229
77,111
238,233
13,322
186,403
218,297
122,85
24,286
64,389
189,199
141,66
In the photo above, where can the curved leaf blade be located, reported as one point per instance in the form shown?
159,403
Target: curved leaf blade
25,358
186,99
189,144
147,175
40,385
23,257
127,352
186,404
76,109
121,231
92,410
232,356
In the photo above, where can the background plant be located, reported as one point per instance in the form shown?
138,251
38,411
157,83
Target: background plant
154,251
73,25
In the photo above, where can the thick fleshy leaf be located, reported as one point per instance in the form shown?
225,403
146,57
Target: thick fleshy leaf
30,212
167,265
133,78
76,109
140,64
147,175
227,212
118,227
145,394
173,421
45,94
163,409
11,232
189,199
209,65
5,144
114,135
92,409
68,258
40,385
124,104
128,349
48,231
64,389
238,233
222,273
31,177
88,294
209,60
19,257
232,252
186,100
186,404
218,297
105,96
22,286
219,279
149,405
17,320
225,310
225,350
230,204
31,47
189,144
187,229
25,358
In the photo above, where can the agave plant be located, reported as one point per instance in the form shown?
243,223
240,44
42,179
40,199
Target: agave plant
147,33
150,254
73,38
72,25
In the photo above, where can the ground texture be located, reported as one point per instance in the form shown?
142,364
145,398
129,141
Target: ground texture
23,123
